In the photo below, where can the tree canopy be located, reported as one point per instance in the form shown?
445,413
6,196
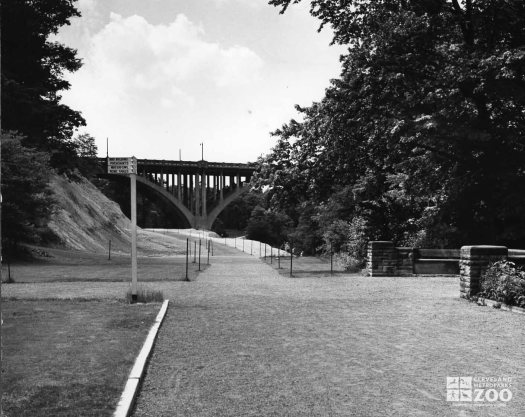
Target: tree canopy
37,128
422,136
33,67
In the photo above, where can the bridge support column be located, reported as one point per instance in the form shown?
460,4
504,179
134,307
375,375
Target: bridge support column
197,196
185,191
179,186
191,204
221,185
204,189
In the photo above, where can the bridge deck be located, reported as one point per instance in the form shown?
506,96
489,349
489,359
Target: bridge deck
186,167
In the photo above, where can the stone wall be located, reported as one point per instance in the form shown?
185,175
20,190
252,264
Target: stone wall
384,259
474,261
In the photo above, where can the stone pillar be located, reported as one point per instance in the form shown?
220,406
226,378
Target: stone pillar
473,262
381,259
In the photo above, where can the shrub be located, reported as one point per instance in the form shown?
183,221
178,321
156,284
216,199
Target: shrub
349,241
504,282
348,262
146,296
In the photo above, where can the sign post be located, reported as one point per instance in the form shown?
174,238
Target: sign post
129,166
133,178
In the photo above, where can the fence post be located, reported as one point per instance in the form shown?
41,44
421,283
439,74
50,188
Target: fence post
279,258
195,252
187,250
109,251
200,244
271,254
291,259
209,244
331,259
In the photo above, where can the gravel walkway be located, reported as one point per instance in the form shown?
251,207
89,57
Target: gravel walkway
245,341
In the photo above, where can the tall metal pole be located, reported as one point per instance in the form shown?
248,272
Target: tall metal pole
133,178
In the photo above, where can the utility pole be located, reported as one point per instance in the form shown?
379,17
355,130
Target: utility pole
202,151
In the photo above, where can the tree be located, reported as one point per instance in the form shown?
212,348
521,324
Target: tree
268,226
26,197
32,76
85,146
425,126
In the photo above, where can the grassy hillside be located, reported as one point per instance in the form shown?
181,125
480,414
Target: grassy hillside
86,220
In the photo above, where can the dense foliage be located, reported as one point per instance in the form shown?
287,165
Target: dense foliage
32,76
421,139
37,128
504,282
26,198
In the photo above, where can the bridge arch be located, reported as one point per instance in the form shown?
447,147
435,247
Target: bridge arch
199,191
181,208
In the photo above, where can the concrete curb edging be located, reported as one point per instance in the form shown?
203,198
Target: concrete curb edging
130,392
513,309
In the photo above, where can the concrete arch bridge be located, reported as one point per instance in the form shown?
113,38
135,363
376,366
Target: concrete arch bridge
199,191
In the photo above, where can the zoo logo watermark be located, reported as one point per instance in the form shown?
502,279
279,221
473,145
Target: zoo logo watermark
465,390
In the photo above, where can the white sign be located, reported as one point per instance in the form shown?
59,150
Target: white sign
122,165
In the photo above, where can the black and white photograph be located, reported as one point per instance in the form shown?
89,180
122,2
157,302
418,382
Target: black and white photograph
285,208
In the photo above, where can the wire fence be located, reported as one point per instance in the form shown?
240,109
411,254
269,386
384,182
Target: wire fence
279,258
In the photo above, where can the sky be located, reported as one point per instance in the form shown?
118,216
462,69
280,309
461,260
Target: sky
161,77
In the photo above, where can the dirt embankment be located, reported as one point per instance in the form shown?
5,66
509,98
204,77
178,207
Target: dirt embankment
86,220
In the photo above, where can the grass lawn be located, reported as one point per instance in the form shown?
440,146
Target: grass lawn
65,358
72,266
244,341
